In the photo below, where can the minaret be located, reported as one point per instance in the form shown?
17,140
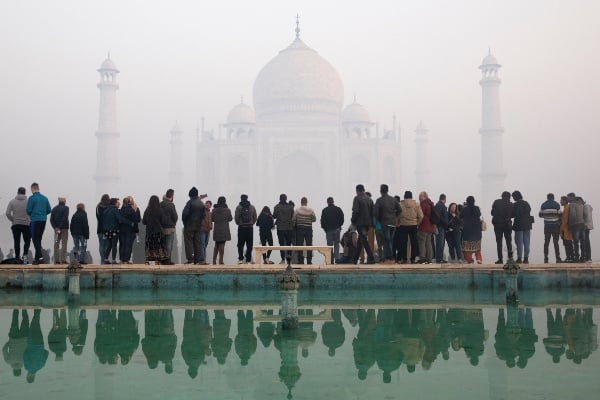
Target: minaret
492,163
107,159
422,171
176,162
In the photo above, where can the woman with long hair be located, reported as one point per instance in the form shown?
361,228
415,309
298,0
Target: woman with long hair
265,223
221,217
100,208
454,233
471,234
155,250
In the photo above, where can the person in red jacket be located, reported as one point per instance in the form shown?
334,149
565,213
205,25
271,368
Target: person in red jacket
425,230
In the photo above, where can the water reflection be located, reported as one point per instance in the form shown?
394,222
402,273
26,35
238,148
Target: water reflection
381,342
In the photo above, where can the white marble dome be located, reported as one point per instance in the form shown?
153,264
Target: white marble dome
355,113
489,60
298,79
108,64
241,114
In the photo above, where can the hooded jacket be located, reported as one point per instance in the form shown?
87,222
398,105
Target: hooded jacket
79,224
193,213
16,211
238,214
283,214
411,213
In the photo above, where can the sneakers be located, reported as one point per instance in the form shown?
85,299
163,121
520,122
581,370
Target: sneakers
499,261
519,260
545,260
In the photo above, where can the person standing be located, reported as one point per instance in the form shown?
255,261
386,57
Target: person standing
245,218
410,217
221,217
502,210
283,213
265,225
80,231
192,216
565,232
362,218
59,220
441,226
522,226
386,211
332,219
454,233
205,228
471,235
16,212
551,214
304,216
153,216
100,208
577,226
169,222
38,208
589,225
127,231
425,230
111,226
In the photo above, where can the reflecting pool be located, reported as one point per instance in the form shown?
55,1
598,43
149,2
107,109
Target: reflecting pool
351,345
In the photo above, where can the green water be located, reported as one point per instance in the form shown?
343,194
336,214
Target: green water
350,345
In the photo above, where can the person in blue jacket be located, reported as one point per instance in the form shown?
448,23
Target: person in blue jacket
38,208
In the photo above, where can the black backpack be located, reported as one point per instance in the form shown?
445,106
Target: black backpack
246,215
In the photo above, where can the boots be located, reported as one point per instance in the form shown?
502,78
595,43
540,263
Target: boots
221,253
215,251
525,260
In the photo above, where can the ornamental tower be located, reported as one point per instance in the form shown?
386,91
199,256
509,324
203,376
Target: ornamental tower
422,168
492,163
176,161
107,160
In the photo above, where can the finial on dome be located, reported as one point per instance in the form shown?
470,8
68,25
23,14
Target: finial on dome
242,99
297,26
354,97
489,51
108,56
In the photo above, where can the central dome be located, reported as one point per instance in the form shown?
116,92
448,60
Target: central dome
298,79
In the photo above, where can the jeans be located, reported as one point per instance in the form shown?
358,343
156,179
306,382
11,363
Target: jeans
578,243
125,245
304,235
37,231
202,246
168,244
333,239
454,246
101,246
522,239
18,231
80,246
285,239
363,243
111,248
388,241
60,246
507,233
245,237
440,241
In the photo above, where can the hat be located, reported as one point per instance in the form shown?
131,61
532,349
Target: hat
408,194
193,192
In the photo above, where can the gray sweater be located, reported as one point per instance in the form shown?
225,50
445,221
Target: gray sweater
16,211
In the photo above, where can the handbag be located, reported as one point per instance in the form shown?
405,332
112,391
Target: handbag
483,225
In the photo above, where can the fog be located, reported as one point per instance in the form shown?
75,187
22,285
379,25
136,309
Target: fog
180,61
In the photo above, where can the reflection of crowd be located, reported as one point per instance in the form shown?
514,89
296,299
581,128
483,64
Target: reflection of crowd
382,341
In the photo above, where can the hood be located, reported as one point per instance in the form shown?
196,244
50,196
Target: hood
21,197
245,203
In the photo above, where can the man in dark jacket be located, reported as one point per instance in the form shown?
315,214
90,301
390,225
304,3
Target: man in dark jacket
332,219
362,218
501,219
245,218
170,218
80,230
386,212
441,226
283,214
59,219
551,213
192,216
577,226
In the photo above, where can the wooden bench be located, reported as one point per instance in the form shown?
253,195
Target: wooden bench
325,250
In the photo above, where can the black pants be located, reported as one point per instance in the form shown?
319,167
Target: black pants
266,238
125,245
37,231
363,243
406,233
25,231
285,239
304,236
245,237
507,234
191,242
568,249
588,248
554,234
111,247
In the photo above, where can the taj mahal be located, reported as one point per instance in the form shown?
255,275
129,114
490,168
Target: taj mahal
298,138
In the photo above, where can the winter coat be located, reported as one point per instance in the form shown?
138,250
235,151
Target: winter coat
454,223
238,214
283,214
386,210
38,207
426,225
565,232
170,216
471,218
587,216
443,213
221,217
100,209
265,222
411,213
332,218
502,211
153,221
193,213
59,216
304,217
206,224
522,216
576,221
79,224
112,219
550,212
362,210
131,217
16,211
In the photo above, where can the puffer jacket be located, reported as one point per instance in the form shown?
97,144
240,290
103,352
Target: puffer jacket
411,213
16,211
283,214
386,210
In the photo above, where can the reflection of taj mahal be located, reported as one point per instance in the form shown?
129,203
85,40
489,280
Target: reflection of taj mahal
297,139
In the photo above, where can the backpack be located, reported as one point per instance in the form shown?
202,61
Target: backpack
434,216
246,215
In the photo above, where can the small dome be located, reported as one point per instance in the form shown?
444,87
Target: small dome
421,128
489,60
355,113
108,64
241,114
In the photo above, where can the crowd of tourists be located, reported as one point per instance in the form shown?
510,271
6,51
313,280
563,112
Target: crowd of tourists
388,230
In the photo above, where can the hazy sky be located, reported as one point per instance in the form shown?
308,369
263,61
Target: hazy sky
181,60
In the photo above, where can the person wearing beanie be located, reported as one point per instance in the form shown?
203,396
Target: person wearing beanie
502,221
245,218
